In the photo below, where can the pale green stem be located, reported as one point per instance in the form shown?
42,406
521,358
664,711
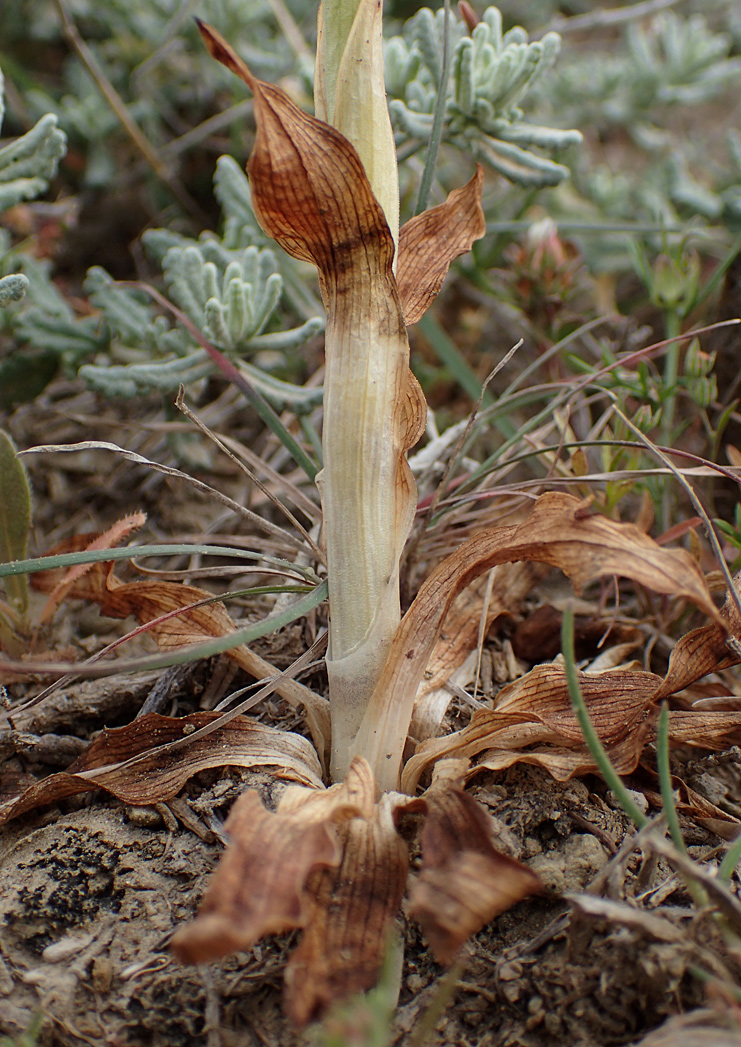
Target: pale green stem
366,516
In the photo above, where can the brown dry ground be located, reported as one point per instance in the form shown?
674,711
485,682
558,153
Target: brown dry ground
92,893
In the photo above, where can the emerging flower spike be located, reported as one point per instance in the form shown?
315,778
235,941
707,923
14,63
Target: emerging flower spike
311,193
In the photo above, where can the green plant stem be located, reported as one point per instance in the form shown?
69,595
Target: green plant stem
438,119
597,750
730,860
699,896
671,373
47,563
309,431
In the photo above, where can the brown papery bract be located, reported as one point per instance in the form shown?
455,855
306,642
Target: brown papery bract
429,242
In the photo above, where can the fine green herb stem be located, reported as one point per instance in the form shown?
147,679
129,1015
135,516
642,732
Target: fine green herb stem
47,563
438,119
671,374
604,766
699,896
665,780
730,861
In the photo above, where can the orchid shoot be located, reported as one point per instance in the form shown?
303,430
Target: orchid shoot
332,861
330,195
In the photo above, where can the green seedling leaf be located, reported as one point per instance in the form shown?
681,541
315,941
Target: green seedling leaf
15,519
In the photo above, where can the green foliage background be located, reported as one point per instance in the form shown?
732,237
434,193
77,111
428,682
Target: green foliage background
617,129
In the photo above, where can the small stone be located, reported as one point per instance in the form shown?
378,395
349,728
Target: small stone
65,949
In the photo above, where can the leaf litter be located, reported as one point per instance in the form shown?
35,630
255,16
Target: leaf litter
339,851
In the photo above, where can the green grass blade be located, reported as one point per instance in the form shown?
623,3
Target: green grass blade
438,119
47,563
451,357
247,634
600,757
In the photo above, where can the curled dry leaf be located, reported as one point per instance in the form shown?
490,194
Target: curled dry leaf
333,864
329,862
260,885
471,614
557,532
179,615
704,650
464,880
429,242
352,910
150,760
534,723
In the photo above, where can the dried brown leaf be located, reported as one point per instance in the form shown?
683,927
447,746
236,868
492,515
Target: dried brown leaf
429,242
534,723
259,886
562,764
536,711
557,532
352,911
333,864
139,764
617,700
709,730
704,650
180,615
330,862
464,881
700,809
460,637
